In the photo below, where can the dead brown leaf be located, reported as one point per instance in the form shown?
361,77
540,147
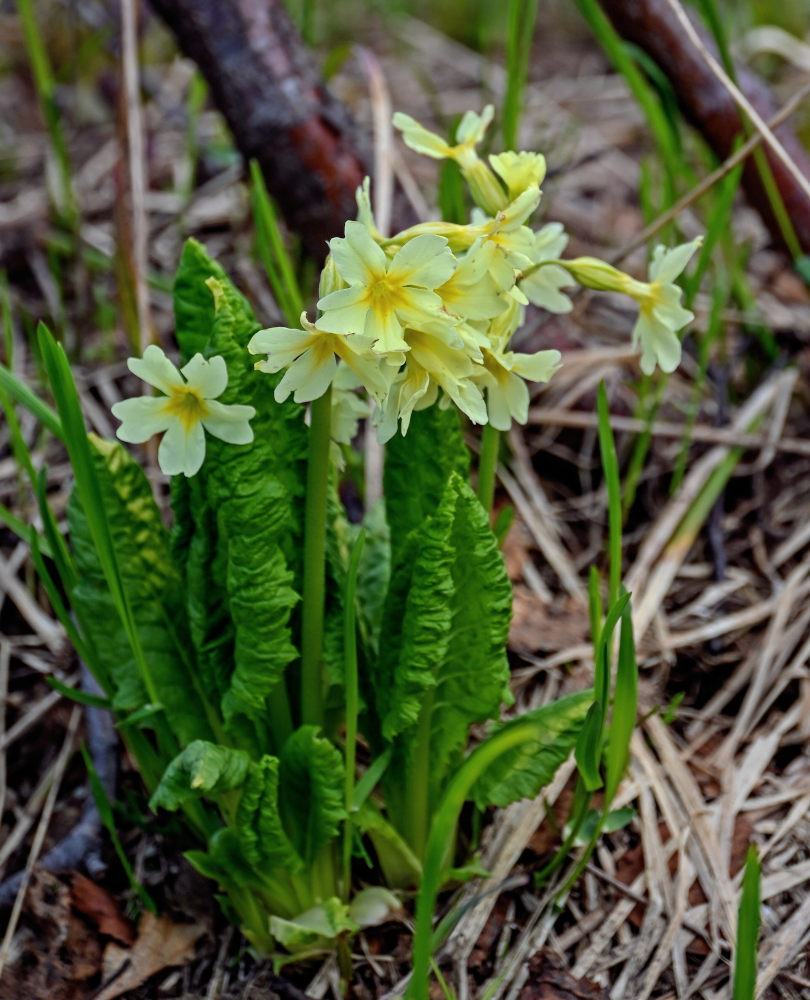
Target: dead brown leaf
56,954
100,908
161,943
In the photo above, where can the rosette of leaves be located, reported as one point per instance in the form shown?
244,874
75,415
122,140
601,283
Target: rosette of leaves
201,664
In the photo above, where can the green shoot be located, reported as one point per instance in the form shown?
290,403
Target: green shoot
272,251
520,32
105,811
46,91
745,961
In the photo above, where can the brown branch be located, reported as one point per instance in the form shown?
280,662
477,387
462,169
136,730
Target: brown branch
263,80
652,25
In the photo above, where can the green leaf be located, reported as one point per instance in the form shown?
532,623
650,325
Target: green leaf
315,930
201,770
77,694
417,468
240,518
442,663
523,770
745,962
374,573
589,748
224,861
399,864
262,836
625,703
153,590
311,791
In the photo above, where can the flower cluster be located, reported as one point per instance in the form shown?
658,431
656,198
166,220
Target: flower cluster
428,314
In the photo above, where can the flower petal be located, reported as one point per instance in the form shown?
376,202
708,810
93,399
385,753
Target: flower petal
308,377
229,422
156,369
357,257
425,261
282,344
668,264
180,451
209,378
141,418
538,367
419,139
344,311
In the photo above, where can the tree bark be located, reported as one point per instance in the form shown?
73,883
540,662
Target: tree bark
265,83
652,26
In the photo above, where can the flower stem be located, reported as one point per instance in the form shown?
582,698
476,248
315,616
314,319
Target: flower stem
315,561
487,463
352,705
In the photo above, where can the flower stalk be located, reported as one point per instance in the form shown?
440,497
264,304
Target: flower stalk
315,561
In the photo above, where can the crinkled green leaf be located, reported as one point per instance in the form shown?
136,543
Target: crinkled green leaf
374,573
315,930
417,468
311,791
521,772
202,770
154,590
224,861
442,663
262,836
240,518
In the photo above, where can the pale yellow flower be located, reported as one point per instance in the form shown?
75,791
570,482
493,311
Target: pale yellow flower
542,282
484,186
188,408
385,295
471,291
661,314
309,355
507,392
518,171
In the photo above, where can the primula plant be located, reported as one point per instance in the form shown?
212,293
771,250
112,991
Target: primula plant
300,689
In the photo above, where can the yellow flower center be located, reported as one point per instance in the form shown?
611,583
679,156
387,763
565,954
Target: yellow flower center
187,405
384,295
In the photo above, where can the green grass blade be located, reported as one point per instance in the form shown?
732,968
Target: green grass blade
55,597
625,704
520,31
46,89
20,391
105,811
595,608
647,99
53,545
77,695
588,751
21,529
745,961
601,659
711,15
272,251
